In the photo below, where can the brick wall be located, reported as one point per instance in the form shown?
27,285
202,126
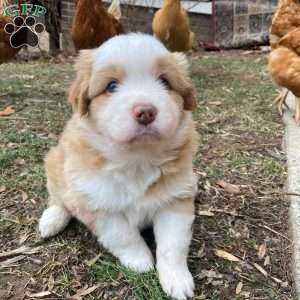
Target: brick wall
243,22
67,12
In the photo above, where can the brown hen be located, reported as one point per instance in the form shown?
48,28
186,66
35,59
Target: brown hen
7,52
284,67
93,25
286,18
171,25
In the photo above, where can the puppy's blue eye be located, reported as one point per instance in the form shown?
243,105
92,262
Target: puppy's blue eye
112,86
165,83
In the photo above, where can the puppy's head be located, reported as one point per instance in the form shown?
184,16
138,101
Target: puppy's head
133,88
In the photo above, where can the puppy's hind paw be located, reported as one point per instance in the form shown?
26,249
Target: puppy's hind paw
53,221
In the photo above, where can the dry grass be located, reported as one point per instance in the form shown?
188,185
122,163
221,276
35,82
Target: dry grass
240,144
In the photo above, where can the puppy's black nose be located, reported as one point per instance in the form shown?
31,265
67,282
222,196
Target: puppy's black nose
144,114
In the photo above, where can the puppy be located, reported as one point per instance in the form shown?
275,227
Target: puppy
124,160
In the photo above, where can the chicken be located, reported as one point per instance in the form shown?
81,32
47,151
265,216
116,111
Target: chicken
115,9
7,52
284,67
93,25
286,18
171,25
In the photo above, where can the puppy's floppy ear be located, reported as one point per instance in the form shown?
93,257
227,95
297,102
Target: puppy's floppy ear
185,85
79,90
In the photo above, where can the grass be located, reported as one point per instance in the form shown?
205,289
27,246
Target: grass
240,143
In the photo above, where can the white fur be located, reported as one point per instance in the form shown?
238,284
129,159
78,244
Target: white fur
53,221
127,243
173,235
123,188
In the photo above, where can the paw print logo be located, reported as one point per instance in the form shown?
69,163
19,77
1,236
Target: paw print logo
24,32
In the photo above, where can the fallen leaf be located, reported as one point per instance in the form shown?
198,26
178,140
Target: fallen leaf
9,110
213,121
226,255
24,196
209,274
267,261
217,282
217,103
261,269
50,283
206,213
276,279
2,188
228,187
93,260
89,290
238,288
20,162
38,295
245,294
83,292
262,251
201,251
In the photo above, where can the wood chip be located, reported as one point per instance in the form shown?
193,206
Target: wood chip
226,255
9,110
228,187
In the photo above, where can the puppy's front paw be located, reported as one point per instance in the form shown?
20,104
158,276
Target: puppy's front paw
176,281
138,260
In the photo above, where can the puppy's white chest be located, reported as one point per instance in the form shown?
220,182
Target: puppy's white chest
119,187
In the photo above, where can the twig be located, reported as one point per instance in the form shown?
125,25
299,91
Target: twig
21,250
292,194
13,118
231,213
276,232
10,262
7,206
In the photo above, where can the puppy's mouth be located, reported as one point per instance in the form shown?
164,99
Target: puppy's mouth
145,132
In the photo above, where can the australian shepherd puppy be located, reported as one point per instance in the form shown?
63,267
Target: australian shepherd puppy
124,160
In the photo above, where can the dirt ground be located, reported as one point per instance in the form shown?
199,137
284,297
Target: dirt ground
241,246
